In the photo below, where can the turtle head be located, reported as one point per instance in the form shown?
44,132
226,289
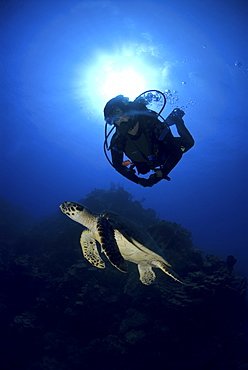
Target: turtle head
72,210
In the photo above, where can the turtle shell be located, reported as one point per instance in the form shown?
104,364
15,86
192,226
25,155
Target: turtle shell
131,231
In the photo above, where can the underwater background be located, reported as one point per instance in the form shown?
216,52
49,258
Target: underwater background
61,61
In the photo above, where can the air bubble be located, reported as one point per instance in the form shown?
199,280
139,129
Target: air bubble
238,64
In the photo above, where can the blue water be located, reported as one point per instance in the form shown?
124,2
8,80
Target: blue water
56,59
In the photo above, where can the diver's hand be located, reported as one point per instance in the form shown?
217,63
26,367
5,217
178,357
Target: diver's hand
153,179
175,117
145,183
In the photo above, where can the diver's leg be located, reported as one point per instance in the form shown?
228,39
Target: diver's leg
170,163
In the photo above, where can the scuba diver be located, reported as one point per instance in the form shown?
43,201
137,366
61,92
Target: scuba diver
147,141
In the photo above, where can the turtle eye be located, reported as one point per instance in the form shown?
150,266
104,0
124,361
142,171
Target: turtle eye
79,207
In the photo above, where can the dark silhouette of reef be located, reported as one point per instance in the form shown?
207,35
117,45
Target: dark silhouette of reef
58,312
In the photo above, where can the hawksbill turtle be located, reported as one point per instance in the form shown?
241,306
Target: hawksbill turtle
121,240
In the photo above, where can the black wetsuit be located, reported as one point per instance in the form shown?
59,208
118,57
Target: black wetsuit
153,146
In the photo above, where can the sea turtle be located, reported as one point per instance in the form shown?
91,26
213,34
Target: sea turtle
121,240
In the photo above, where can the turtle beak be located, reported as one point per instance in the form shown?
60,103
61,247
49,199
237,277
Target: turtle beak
64,207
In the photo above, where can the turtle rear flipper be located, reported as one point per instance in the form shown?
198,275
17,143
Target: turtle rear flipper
167,270
109,244
89,248
147,275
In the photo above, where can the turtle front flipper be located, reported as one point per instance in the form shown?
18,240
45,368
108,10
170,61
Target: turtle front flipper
147,275
109,244
89,248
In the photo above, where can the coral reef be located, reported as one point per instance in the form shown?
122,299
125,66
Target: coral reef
59,312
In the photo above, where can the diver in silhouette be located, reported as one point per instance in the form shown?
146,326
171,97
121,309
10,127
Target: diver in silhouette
145,140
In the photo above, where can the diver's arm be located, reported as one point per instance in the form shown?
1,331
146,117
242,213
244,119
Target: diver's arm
186,140
129,173
117,159
152,180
